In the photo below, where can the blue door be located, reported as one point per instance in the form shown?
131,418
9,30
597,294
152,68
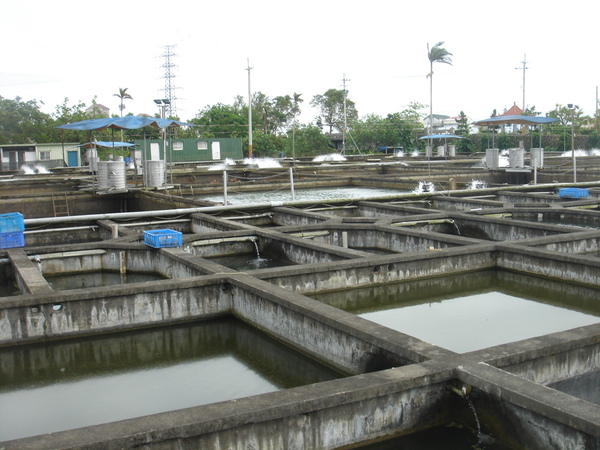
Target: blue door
72,158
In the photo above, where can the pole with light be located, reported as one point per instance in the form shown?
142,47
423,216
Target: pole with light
249,112
163,104
573,107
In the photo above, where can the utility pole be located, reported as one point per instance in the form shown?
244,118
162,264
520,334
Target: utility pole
573,108
597,104
524,68
249,112
345,115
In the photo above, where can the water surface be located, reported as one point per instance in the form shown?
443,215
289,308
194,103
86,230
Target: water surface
317,195
69,384
469,312
248,261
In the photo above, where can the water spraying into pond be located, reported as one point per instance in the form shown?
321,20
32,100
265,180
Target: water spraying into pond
579,152
424,187
258,262
262,163
38,168
329,158
477,184
225,165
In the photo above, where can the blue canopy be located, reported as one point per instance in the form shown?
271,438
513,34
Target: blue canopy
441,136
114,144
518,120
160,123
122,123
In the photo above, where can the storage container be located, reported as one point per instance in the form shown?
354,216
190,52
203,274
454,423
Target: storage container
12,240
162,238
11,222
572,193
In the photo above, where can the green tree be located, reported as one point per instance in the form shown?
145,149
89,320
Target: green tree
464,145
436,54
463,128
564,114
371,132
593,141
395,130
282,111
265,144
123,95
531,111
309,141
22,122
331,106
221,121
67,113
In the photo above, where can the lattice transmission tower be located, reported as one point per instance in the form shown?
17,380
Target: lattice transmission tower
169,76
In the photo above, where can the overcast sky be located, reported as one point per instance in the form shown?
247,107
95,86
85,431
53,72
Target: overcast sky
75,49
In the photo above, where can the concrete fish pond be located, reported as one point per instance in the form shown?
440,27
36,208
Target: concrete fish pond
499,347
124,375
472,311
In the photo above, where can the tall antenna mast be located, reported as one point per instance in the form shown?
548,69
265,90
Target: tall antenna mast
169,76
524,68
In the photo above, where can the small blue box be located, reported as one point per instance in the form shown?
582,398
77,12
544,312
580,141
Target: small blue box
572,193
11,222
12,240
162,238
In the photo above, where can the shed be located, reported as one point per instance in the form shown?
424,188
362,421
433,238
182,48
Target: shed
14,156
191,149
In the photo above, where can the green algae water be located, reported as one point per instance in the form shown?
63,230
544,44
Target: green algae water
473,311
69,384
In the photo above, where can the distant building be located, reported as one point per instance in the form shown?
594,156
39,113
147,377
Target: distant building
190,149
97,110
14,156
514,110
443,124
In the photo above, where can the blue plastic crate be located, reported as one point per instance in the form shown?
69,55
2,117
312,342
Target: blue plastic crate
162,238
572,193
12,240
11,222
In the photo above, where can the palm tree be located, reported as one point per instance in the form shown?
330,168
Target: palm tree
123,95
437,54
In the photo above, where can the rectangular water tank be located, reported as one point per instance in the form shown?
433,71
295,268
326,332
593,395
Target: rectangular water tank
492,158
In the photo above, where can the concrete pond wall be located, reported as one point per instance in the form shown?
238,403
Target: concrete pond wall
394,384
